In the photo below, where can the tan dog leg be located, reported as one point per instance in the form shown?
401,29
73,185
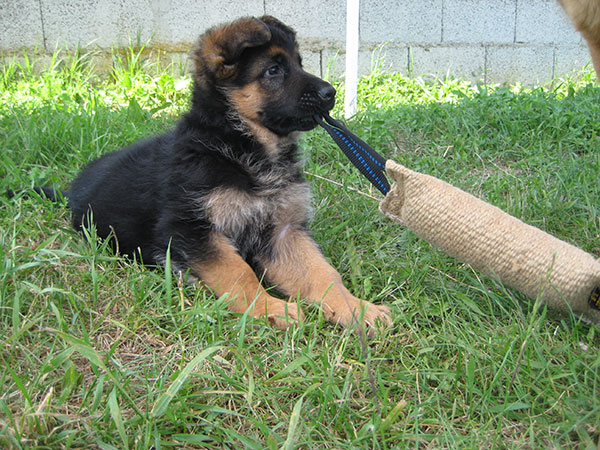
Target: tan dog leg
594,46
229,273
298,267
585,15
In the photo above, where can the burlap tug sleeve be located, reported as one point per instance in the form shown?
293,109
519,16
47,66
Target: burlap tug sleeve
490,240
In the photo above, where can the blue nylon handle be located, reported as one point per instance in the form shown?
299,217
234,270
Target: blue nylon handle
370,163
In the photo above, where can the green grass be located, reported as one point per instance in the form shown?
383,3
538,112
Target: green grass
97,351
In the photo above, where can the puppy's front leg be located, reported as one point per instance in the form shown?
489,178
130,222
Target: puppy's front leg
226,272
297,266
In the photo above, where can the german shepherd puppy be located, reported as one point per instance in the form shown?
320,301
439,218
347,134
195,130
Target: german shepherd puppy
585,15
224,191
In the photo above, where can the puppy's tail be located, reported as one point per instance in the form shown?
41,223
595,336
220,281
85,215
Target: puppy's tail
46,192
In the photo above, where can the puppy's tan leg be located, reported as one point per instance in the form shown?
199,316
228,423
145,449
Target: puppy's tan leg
298,267
228,273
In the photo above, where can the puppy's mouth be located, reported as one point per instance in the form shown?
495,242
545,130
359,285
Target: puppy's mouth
283,125
286,125
310,105
302,122
307,123
301,117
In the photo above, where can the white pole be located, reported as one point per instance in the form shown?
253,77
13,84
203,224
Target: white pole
352,39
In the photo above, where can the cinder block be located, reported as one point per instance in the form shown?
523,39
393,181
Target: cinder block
320,21
478,21
570,58
311,61
176,25
463,61
458,37
181,22
386,58
20,25
333,63
544,22
511,64
103,24
401,21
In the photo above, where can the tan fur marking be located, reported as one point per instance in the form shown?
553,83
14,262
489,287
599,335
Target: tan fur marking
294,207
276,50
230,210
220,46
229,274
300,268
247,102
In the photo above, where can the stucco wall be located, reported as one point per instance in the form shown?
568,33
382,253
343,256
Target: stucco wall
490,40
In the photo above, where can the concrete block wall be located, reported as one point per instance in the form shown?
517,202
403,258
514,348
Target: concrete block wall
494,41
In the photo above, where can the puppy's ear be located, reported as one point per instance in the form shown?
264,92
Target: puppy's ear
276,23
220,48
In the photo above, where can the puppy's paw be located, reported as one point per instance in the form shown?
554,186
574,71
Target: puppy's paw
358,314
375,317
281,314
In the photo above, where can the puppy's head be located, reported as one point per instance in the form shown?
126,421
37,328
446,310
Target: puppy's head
255,64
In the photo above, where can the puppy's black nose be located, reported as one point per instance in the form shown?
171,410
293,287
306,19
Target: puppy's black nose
326,92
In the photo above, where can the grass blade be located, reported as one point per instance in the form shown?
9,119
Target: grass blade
86,350
165,399
293,428
115,413
295,419
297,363
392,415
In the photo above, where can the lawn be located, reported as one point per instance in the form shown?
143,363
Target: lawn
97,351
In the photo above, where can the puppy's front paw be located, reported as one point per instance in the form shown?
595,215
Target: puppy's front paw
375,316
281,314
352,312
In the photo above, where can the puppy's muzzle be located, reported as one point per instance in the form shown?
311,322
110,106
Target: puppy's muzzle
318,99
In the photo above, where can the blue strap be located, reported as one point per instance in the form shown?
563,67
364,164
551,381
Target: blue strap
370,163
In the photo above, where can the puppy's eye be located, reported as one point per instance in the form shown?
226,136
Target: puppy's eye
273,71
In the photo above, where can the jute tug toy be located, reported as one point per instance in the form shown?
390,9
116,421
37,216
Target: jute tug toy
491,241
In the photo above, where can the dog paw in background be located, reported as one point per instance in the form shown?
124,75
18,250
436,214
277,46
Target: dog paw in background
585,15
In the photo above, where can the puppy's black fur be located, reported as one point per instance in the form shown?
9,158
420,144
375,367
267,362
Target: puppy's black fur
224,190
154,193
